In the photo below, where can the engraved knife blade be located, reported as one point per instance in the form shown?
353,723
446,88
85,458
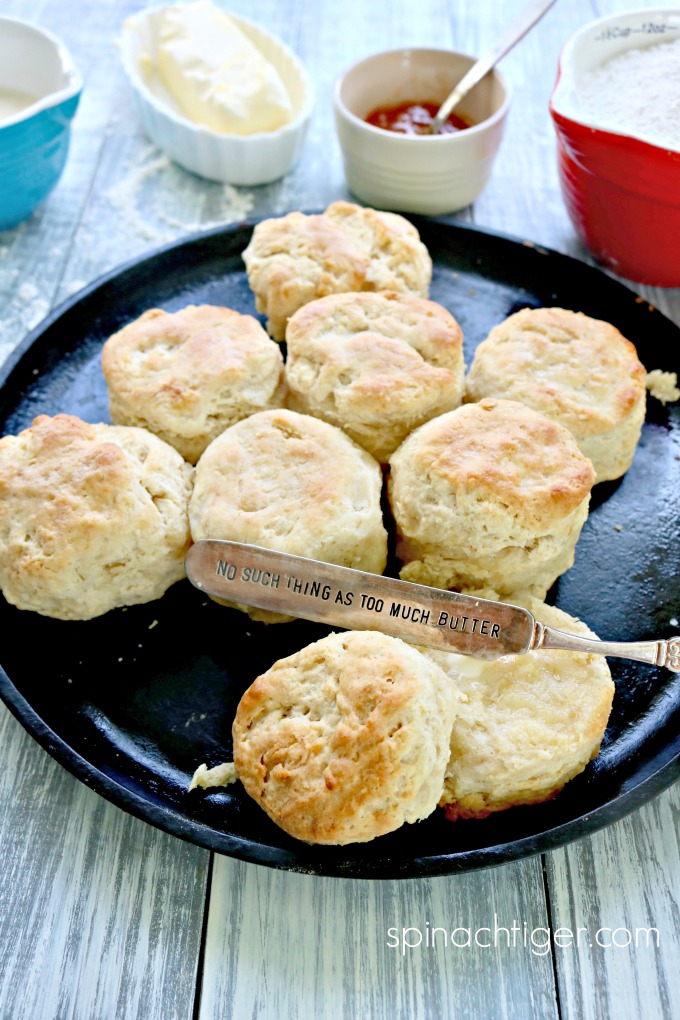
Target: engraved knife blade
355,600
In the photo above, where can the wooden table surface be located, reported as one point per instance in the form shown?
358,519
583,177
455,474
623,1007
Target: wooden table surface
104,916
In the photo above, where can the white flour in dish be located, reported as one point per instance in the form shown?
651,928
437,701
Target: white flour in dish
637,93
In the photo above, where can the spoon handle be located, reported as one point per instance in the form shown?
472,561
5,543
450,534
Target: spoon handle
517,30
656,653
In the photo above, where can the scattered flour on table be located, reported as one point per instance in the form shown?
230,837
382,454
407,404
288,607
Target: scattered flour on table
74,286
34,308
637,93
153,198
28,292
220,775
663,385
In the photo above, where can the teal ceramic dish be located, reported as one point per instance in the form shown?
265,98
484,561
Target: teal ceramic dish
34,140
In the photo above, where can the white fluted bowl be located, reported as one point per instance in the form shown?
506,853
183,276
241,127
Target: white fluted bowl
430,174
233,159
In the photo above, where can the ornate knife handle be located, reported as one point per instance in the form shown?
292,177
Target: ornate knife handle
657,653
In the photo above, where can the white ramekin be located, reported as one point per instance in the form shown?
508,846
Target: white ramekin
234,159
429,174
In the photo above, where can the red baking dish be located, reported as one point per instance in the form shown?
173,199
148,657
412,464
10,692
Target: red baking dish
622,192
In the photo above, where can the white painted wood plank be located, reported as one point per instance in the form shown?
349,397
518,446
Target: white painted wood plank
101,913
626,877
295,946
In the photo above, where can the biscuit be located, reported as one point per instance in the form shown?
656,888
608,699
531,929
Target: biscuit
187,375
91,517
376,365
489,495
294,484
579,371
528,723
398,259
346,739
297,258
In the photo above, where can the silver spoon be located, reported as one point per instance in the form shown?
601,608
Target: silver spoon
512,35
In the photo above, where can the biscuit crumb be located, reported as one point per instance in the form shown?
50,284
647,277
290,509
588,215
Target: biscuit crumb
673,622
617,527
153,624
663,385
220,775
639,300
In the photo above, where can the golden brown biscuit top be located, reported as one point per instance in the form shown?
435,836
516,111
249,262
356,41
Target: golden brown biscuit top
280,473
375,353
328,739
369,221
178,359
398,258
314,239
501,451
566,364
424,325
67,484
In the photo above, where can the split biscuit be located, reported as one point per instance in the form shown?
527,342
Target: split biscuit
527,723
298,258
346,739
577,370
91,517
186,376
294,484
376,365
295,259
489,495
398,259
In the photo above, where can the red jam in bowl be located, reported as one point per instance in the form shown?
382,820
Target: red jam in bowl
413,119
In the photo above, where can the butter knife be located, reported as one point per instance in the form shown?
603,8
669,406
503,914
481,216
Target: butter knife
356,600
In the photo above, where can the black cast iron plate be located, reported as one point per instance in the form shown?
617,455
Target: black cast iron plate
133,701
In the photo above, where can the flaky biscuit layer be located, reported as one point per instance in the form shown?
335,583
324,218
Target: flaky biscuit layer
292,483
91,517
490,494
375,365
186,376
575,369
526,724
346,739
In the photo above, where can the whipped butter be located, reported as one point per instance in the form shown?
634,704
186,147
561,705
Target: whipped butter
215,74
